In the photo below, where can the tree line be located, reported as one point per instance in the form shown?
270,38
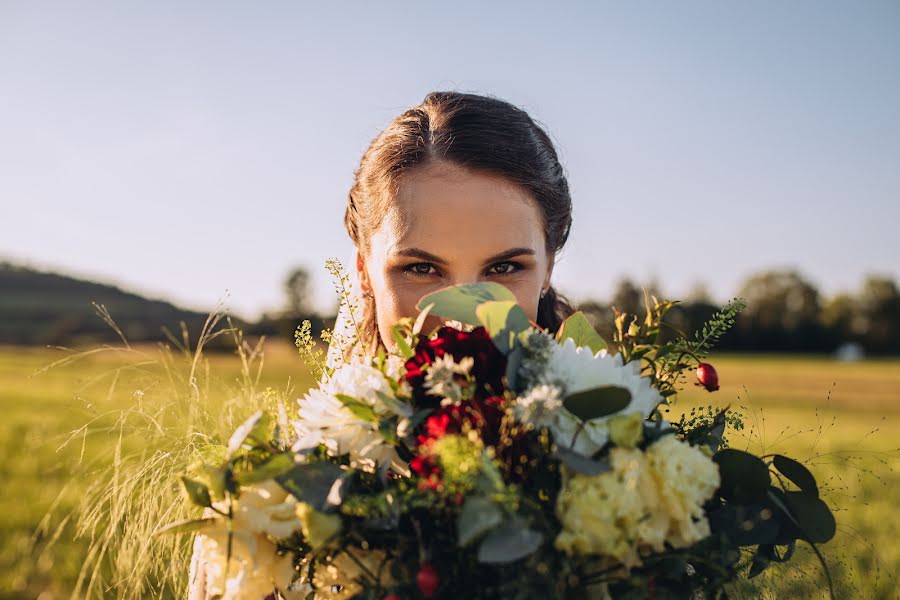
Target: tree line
785,312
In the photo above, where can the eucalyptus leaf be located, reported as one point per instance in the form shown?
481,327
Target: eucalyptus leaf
509,542
504,321
458,302
580,463
278,464
398,407
360,409
407,425
311,482
813,516
197,492
255,428
760,561
598,402
797,473
513,364
577,328
478,515
745,478
187,525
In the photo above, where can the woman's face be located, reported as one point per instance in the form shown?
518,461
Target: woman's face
448,226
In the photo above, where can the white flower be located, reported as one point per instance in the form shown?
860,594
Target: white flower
255,568
575,369
442,378
266,508
539,405
324,419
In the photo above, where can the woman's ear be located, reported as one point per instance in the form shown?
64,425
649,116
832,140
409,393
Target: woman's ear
362,274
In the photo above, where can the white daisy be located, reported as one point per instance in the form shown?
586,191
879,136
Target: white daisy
575,369
324,419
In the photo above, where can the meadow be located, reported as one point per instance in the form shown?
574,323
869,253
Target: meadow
62,428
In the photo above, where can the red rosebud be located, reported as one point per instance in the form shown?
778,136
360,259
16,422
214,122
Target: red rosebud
428,580
707,377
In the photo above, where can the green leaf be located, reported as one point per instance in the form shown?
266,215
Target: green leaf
813,516
360,409
277,465
398,407
598,402
257,428
402,345
388,430
478,515
509,542
420,319
311,482
581,463
797,473
744,477
458,302
760,561
504,321
197,492
513,363
577,328
187,526
407,425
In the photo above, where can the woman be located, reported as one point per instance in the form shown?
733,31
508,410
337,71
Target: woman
458,189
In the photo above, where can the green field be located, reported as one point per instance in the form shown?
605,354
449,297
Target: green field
842,419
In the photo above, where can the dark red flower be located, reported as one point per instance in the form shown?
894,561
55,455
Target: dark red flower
707,377
488,369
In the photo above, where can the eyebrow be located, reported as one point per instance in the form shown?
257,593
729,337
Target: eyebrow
424,255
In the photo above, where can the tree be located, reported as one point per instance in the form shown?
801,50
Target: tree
879,311
297,292
783,312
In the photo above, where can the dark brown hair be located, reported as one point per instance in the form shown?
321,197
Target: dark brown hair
480,133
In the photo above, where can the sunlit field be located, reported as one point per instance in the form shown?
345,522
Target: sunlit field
842,419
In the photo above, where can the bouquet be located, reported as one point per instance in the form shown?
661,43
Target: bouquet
491,459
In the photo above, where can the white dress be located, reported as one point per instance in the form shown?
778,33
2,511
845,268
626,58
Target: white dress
343,330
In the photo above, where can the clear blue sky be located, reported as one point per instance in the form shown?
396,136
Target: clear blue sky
188,148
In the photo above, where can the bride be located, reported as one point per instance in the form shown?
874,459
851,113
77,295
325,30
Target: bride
460,188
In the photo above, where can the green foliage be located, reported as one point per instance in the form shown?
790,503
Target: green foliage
459,303
577,328
598,402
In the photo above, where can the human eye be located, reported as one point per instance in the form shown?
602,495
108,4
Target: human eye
505,268
421,269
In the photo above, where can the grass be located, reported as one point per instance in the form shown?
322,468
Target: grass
842,419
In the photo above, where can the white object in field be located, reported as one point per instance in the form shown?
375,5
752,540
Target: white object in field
849,352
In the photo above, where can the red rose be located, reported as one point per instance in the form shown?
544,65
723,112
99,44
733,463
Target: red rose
489,363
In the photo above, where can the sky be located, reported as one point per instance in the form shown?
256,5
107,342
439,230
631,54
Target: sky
198,151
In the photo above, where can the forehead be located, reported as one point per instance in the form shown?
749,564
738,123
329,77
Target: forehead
444,208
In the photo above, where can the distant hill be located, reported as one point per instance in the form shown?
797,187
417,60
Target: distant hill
39,307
